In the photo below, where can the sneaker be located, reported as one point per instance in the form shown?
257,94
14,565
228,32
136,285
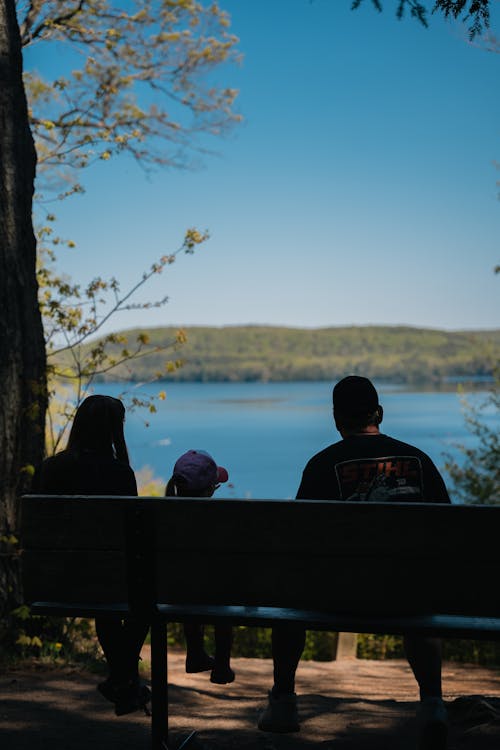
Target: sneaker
281,714
199,663
222,675
432,724
130,697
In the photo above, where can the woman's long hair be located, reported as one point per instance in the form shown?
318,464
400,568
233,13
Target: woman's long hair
98,427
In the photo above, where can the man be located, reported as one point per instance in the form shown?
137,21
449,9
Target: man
365,465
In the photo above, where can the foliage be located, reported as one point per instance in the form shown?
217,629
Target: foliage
267,353
320,646
477,479
469,651
476,12
142,84
372,646
74,639
73,315
140,81
53,638
149,485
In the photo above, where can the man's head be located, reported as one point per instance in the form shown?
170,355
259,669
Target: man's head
355,404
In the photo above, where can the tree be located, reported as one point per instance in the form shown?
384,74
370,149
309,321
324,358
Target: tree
477,478
139,84
73,318
475,12
22,353
134,62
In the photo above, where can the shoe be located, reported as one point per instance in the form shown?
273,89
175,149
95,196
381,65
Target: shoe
432,724
281,714
131,696
222,675
107,690
199,663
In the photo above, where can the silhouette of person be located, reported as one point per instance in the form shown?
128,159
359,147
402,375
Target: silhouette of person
364,465
96,462
197,475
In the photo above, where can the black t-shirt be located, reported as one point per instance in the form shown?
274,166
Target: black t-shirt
373,468
86,473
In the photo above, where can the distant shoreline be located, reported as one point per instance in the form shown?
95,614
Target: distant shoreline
396,354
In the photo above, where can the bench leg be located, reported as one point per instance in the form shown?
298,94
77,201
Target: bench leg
159,687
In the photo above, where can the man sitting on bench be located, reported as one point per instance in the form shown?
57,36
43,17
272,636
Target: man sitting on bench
365,465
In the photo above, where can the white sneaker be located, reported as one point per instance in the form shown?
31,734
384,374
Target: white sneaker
281,714
432,724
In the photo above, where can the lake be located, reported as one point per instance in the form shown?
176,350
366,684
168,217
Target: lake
264,433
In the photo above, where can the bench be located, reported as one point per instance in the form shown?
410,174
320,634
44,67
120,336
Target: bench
335,566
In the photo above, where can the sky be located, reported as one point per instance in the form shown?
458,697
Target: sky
360,188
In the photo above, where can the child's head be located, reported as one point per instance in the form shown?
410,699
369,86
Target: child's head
196,475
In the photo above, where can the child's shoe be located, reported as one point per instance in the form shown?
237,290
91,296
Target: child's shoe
199,662
222,675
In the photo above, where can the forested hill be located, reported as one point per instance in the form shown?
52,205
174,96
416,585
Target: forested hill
249,353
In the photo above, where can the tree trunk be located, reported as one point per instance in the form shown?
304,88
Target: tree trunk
22,350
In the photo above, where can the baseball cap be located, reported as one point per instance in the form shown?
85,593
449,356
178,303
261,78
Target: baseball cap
199,470
355,395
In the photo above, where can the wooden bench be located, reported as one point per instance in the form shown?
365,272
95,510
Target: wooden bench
353,567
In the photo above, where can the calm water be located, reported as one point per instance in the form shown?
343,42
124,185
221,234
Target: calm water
264,433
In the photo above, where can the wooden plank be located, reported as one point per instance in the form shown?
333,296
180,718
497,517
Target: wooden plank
429,530
75,576
348,584
74,522
80,609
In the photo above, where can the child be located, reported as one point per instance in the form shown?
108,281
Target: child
197,475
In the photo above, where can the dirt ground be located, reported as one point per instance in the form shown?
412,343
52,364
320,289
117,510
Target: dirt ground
346,705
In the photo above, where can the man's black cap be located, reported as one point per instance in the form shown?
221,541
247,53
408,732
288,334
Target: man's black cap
355,395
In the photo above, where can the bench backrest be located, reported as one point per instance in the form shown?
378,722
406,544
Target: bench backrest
334,556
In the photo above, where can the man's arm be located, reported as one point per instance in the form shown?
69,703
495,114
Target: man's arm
434,487
318,481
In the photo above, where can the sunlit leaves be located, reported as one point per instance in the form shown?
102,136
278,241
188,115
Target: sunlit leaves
477,477
74,315
144,84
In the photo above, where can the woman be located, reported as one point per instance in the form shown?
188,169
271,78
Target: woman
96,462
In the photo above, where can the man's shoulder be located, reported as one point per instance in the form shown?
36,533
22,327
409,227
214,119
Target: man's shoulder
326,454
401,448
365,446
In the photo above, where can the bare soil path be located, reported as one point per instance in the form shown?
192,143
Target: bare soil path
347,705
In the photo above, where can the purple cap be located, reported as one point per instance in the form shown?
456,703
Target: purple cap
199,470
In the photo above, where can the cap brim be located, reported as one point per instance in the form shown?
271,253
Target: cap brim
222,475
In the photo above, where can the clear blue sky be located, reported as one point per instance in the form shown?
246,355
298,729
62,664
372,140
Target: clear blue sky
360,189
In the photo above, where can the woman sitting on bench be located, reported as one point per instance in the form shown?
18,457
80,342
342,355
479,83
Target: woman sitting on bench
96,462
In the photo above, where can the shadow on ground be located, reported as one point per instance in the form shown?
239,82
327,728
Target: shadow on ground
343,706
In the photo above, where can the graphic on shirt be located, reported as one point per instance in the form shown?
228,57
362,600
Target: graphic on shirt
391,478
